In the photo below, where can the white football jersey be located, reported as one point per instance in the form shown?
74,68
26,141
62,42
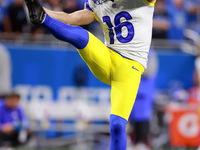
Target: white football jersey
127,26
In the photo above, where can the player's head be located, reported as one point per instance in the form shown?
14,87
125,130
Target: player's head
12,100
98,2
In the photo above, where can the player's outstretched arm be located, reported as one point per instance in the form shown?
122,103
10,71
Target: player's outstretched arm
81,17
37,14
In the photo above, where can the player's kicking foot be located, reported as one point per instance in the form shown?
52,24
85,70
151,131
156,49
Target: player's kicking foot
36,12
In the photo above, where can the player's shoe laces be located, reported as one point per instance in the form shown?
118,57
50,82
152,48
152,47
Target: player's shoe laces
36,12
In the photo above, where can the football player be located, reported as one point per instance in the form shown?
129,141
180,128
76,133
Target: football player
120,62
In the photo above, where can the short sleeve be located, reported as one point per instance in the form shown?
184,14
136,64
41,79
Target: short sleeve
87,6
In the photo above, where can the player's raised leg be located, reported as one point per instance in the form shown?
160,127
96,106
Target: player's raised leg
75,35
91,49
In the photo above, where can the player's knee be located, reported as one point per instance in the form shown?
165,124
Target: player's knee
117,125
116,128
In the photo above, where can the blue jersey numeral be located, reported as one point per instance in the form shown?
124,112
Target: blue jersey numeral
110,26
118,27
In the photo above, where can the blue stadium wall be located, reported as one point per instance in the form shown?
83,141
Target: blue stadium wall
55,66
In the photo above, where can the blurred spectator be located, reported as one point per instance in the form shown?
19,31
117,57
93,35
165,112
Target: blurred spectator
55,5
5,71
16,19
170,19
161,21
143,108
178,15
81,4
80,75
70,6
192,10
194,92
2,15
4,21
13,122
7,3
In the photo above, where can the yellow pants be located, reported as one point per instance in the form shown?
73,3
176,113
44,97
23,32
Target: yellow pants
111,68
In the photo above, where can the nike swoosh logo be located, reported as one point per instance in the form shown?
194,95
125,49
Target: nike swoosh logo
135,68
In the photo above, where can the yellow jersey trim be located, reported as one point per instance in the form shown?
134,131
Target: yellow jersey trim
84,5
151,4
95,16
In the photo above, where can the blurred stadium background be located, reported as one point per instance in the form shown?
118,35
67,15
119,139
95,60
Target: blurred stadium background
68,108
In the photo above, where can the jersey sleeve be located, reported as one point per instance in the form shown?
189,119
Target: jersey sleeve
87,6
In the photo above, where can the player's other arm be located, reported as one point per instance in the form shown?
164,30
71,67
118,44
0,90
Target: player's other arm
82,17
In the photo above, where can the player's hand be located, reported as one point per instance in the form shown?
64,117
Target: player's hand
7,128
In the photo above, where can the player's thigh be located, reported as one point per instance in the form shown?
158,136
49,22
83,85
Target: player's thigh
124,87
97,57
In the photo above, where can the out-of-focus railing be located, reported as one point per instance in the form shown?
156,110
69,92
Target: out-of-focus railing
167,44
27,38
48,39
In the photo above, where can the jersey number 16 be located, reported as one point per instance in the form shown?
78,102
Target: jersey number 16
118,27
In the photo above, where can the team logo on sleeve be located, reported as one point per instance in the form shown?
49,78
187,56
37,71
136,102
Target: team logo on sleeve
98,2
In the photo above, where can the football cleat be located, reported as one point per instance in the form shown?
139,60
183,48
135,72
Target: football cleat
36,11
